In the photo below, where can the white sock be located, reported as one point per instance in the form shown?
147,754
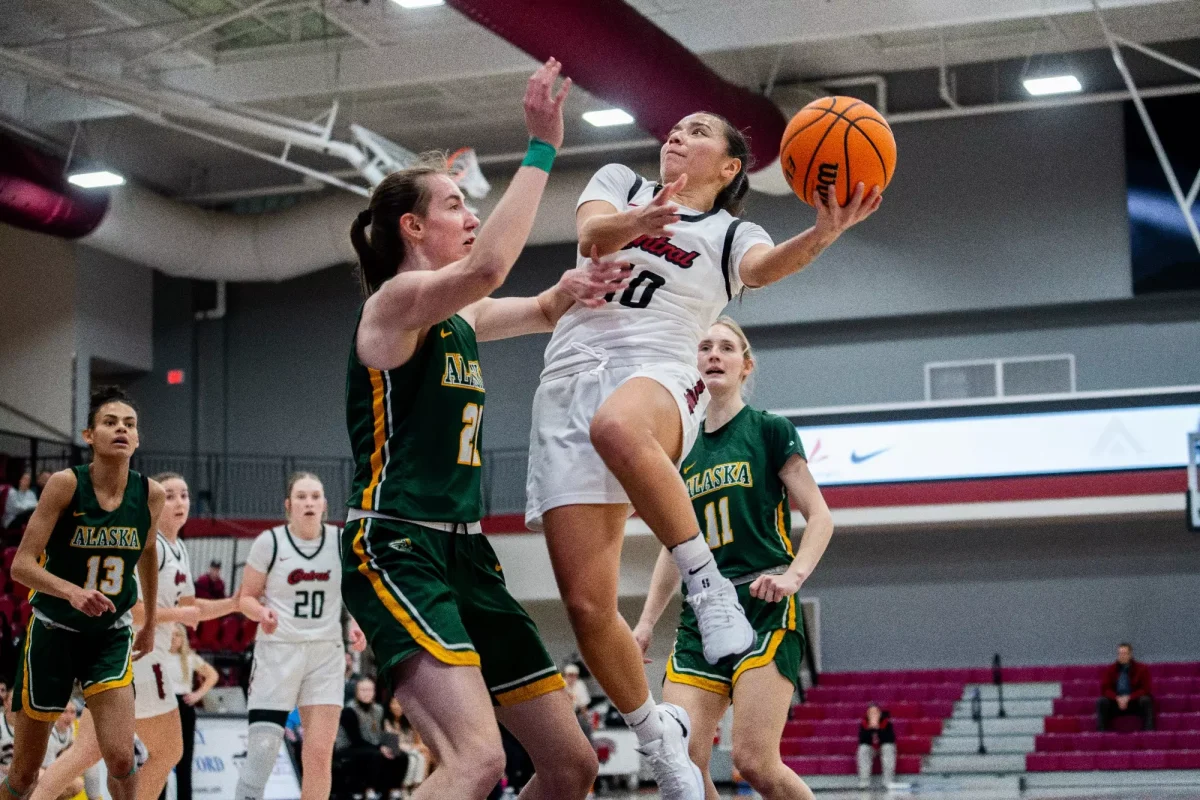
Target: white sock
696,564
644,721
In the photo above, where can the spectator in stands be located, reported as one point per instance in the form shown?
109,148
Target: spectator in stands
353,676
21,502
580,696
1126,690
875,733
43,478
370,765
211,585
403,737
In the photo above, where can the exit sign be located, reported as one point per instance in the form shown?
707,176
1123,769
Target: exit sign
174,377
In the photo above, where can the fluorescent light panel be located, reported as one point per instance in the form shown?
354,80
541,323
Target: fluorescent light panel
418,3
607,117
95,180
1057,84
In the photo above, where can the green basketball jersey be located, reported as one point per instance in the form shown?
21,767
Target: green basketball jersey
97,549
417,430
732,476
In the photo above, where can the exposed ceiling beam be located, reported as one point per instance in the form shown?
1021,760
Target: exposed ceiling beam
203,29
129,19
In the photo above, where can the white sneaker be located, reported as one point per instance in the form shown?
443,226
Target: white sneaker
724,629
678,778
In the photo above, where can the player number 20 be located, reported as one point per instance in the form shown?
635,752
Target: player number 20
309,605
718,536
114,574
468,440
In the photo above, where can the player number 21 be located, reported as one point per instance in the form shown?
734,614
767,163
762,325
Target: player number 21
718,536
468,440
114,572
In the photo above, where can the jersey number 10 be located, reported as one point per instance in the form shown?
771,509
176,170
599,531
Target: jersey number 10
651,280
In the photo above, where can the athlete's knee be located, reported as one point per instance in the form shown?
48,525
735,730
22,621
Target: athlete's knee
585,610
263,741
120,764
756,764
614,437
476,761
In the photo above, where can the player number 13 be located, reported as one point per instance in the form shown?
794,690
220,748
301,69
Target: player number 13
114,573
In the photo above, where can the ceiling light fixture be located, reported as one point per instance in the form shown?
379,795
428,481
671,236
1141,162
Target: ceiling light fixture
418,3
607,117
96,179
1057,84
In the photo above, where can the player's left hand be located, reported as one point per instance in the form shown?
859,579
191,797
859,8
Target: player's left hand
143,642
191,698
833,219
589,284
358,639
774,588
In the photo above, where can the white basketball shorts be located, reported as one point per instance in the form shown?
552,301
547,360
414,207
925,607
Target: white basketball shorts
564,468
288,675
154,692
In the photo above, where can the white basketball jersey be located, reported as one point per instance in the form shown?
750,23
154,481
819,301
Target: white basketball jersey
304,584
174,582
7,736
58,741
680,284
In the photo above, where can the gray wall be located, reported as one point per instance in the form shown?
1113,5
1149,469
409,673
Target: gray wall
1051,595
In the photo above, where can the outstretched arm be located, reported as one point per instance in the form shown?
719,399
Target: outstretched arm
803,489
763,265
254,583
505,317
410,302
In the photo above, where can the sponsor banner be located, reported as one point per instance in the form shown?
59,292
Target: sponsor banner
219,754
1049,443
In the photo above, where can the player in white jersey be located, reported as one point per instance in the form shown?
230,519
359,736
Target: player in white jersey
621,402
292,586
156,709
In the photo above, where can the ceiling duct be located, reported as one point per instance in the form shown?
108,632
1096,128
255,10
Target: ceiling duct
35,195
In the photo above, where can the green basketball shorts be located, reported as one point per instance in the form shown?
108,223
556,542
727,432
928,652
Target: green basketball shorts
53,658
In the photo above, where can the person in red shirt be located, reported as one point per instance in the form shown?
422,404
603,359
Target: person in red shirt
1126,690
875,733
211,585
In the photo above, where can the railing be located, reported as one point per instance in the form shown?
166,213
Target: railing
253,487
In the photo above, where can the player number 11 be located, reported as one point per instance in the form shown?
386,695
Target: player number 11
718,536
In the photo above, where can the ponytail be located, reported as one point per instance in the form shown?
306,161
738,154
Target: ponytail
381,251
733,197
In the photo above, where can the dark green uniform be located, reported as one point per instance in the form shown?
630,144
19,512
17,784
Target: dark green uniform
732,476
95,549
416,432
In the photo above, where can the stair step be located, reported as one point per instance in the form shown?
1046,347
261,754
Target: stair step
968,745
1026,726
1012,708
992,764
1016,691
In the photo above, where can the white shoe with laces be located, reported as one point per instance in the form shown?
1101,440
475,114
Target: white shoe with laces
724,629
678,778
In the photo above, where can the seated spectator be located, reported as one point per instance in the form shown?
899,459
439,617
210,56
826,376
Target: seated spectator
371,767
401,736
43,478
211,585
875,733
580,696
1125,690
352,676
20,503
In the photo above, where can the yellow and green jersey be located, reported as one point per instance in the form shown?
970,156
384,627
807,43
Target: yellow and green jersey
97,549
417,430
732,477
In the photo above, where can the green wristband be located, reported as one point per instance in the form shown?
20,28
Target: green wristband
540,154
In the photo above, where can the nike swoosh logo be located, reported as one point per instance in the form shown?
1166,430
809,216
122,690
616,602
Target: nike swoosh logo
697,569
447,333
78,513
688,467
855,458
284,558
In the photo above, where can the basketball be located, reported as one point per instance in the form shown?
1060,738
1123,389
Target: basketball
838,142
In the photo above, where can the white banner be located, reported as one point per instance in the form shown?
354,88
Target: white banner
220,751
1060,442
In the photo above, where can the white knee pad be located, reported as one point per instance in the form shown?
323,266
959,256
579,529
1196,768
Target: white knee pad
262,749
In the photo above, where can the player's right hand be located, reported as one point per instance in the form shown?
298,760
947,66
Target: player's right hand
543,107
269,621
653,218
643,635
91,602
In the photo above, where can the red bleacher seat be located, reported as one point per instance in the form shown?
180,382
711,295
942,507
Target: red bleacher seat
8,609
9,554
1116,760
1149,759
208,635
1179,722
230,635
803,765
1183,759
1057,724
1186,740
1077,762
908,765
1042,762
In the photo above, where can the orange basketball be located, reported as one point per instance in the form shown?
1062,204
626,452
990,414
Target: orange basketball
837,141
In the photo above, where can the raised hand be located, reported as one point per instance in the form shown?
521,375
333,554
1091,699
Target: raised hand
590,283
834,219
653,218
543,107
